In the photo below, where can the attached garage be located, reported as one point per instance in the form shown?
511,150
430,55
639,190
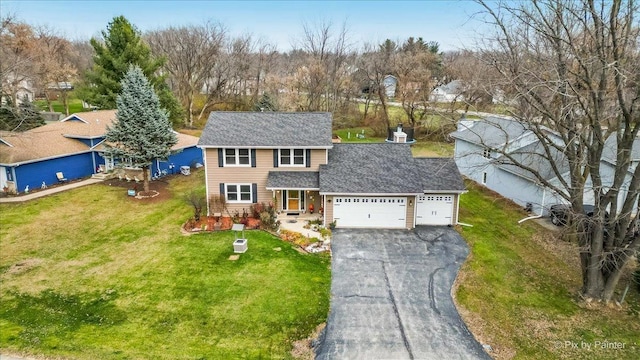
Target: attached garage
382,185
370,212
434,209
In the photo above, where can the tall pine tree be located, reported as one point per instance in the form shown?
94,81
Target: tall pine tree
142,131
121,47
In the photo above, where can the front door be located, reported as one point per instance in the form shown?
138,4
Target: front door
293,200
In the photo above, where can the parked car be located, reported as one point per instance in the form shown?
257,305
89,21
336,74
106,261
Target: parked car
560,213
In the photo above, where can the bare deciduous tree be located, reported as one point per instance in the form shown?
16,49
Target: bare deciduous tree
18,50
191,53
55,70
322,75
573,67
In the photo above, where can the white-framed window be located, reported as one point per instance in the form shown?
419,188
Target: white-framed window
237,157
238,193
484,178
292,157
486,153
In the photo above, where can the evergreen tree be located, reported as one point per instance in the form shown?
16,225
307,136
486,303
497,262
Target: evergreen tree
122,46
142,131
265,103
21,118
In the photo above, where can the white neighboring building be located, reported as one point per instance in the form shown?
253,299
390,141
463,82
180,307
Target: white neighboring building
475,156
448,92
390,83
23,90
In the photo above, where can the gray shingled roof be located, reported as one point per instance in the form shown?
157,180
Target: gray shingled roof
379,168
267,129
490,131
307,180
385,168
439,174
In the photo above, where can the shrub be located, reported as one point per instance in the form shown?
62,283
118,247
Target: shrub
218,204
198,201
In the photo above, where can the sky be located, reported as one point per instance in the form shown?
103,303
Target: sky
449,22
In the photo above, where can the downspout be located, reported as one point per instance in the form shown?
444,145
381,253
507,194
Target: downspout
206,178
544,192
15,179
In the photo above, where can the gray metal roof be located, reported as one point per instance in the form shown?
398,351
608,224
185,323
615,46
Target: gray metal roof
490,132
267,129
307,180
384,168
439,174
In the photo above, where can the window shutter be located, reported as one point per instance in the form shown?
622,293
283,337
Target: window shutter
220,158
222,189
253,157
308,157
275,158
254,192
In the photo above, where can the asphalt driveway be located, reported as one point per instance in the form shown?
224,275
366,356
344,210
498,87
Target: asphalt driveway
391,296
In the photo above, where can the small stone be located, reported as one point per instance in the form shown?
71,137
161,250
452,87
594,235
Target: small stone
487,347
277,249
234,257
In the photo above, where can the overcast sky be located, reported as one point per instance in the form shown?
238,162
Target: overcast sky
279,22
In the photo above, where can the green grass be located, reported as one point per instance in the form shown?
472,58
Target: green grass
75,106
518,289
104,276
432,149
350,135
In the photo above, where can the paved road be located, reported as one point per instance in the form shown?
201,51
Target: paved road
391,296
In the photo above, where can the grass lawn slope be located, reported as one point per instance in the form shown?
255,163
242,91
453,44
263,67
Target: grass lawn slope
93,274
517,291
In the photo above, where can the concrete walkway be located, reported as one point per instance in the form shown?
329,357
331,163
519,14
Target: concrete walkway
297,222
49,191
391,296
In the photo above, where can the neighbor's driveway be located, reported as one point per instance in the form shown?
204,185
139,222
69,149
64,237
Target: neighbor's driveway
391,296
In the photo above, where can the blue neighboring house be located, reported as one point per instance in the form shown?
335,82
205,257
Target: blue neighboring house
73,146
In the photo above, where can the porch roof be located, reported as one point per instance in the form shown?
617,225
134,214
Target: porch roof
303,180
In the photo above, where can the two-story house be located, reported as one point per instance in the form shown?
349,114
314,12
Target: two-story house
288,159
479,149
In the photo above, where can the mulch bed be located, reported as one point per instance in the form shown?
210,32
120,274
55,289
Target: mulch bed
208,224
157,188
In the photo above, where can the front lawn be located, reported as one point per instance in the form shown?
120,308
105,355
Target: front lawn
517,291
92,274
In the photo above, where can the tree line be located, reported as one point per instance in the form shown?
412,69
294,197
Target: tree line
197,68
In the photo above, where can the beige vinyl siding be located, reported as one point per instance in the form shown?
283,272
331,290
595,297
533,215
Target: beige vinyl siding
411,204
328,210
454,216
250,175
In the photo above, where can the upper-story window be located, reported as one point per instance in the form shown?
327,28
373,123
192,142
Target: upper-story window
292,157
486,153
237,157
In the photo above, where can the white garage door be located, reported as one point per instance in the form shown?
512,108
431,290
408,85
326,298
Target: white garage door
434,209
370,212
